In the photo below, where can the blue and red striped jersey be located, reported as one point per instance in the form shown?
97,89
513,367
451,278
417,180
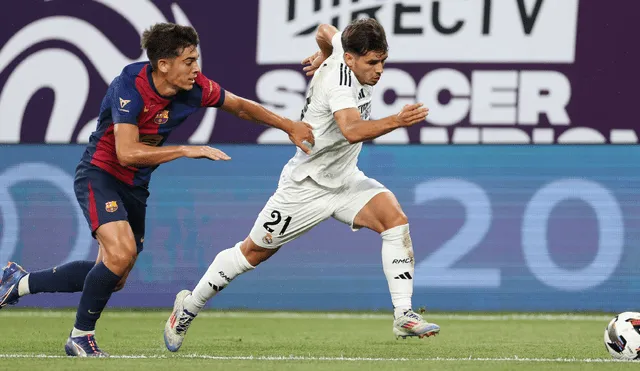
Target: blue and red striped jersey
133,99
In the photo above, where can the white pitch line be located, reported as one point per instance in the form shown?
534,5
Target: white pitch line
335,359
312,315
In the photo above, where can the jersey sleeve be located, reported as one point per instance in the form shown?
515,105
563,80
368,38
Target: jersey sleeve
336,42
341,97
126,102
339,92
212,93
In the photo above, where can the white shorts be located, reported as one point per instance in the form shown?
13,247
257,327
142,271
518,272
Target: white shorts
296,207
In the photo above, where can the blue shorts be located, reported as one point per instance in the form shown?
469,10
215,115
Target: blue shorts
105,199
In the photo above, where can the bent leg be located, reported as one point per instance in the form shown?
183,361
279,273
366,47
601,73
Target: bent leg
367,203
384,215
294,209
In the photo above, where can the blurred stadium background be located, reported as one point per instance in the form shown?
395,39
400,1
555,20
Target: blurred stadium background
521,187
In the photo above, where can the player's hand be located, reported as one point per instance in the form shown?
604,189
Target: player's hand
301,134
411,114
205,152
313,62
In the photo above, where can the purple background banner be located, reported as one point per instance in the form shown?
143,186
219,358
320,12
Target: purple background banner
565,73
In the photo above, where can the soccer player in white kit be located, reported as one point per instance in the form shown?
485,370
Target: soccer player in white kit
327,183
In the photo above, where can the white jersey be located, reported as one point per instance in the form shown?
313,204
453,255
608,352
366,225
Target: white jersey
333,88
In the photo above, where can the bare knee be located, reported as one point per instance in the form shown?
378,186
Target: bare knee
254,253
393,220
399,219
381,213
117,247
119,257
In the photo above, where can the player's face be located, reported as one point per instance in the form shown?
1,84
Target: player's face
368,68
183,69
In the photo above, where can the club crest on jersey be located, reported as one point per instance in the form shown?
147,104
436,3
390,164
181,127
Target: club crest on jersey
268,238
111,206
162,117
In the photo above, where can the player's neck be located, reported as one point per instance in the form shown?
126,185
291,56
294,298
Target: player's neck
163,86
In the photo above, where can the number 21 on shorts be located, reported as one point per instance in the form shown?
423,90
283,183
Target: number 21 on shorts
275,214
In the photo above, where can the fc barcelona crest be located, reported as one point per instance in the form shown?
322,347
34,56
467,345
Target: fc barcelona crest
162,117
111,206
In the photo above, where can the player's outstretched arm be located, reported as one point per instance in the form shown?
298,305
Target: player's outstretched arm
324,35
356,130
299,132
131,152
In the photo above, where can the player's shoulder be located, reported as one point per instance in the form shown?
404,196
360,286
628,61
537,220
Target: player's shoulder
203,80
203,84
135,70
131,72
124,86
335,72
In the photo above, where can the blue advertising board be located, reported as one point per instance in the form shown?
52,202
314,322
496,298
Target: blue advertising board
521,228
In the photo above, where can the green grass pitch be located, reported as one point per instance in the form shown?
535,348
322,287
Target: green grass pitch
34,339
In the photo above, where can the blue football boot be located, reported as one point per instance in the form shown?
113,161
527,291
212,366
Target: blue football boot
83,346
11,275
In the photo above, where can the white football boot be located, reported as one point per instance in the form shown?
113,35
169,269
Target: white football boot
412,324
178,323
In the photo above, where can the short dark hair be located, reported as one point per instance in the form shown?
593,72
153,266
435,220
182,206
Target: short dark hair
364,35
167,40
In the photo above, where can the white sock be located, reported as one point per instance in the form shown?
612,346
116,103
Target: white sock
398,263
226,266
23,286
75,333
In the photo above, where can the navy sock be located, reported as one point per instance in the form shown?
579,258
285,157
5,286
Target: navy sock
96,292
65,278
